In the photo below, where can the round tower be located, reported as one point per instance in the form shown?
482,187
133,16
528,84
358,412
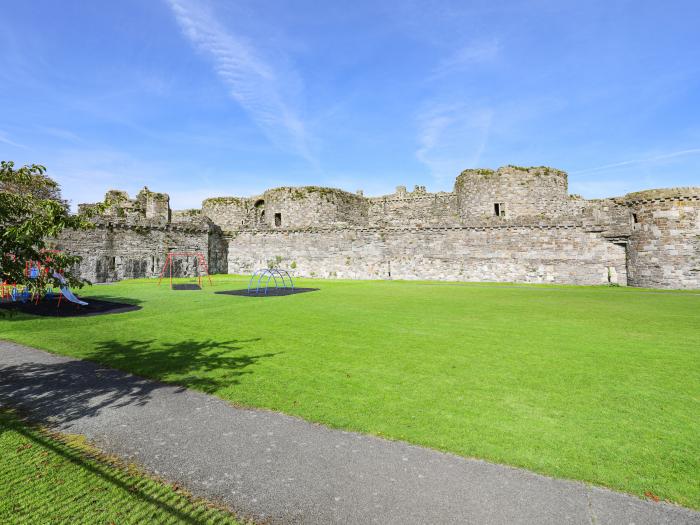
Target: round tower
312,206
511,192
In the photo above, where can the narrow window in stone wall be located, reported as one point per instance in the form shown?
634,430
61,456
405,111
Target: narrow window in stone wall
635,219
499,209
278,219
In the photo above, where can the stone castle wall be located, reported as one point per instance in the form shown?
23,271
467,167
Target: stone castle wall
665,239
414,210
132,237
511,224
230,213
115,251
498,254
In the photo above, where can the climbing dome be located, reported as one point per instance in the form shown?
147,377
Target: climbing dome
281,279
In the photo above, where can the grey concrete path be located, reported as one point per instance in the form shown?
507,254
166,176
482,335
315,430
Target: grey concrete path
279,469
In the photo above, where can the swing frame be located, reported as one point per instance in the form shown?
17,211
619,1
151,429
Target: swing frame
200,261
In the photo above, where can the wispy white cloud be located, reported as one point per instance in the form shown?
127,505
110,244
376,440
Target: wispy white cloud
643,160
453,138
254,83
478,52
452,135
5,140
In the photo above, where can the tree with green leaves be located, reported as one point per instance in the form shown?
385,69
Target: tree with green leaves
31,213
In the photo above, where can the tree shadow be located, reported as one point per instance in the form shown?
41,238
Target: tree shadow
58,393
206,365
62,392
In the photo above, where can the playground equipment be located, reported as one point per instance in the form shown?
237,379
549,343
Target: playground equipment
14,292
66,292
270,273
199,261
34,270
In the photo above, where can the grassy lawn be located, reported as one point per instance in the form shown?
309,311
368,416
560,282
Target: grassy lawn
591,383
49,479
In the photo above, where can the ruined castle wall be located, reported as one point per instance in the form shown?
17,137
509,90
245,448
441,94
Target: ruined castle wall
229,213
664,250
525,192
648,238
115,251
186,216
218,252
608,216
156,207
149,205
313,206
503,254
432,209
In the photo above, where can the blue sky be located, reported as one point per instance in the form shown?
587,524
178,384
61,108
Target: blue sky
204,98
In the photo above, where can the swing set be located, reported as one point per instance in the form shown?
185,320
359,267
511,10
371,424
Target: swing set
200,262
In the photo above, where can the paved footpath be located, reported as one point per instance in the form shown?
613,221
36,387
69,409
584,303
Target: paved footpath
279,469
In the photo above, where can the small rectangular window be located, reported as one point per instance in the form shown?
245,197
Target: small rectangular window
278,219
499,209
635,219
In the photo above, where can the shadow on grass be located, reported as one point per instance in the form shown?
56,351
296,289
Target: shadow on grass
204,365
58,393
271,292
153,493
9,310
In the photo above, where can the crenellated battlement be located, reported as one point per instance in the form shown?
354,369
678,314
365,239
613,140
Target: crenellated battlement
659,195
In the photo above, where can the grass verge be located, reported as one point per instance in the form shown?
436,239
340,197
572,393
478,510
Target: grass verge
47,477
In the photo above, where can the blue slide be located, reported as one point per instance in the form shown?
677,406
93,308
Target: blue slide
67,292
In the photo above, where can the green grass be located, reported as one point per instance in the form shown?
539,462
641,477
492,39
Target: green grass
591,383
46,478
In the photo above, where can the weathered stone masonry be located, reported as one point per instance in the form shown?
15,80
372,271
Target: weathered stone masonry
664,244
131,239
510,225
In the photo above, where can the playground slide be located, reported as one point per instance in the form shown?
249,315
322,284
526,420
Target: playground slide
67,292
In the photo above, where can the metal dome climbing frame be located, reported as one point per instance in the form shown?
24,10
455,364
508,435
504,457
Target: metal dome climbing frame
274,274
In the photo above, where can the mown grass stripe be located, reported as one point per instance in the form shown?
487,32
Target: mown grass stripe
44,480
